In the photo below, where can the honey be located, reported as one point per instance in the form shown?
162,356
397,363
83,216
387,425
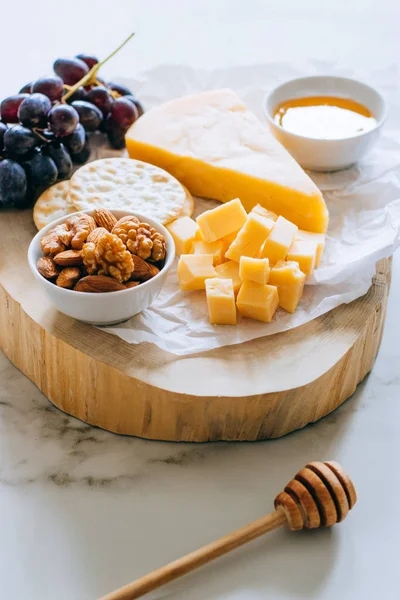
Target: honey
324,117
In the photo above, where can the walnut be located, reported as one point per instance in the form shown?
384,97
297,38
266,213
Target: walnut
140,238
89,258
108,256
80,226
57,239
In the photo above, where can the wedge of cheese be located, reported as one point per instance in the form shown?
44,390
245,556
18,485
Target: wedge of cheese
218,149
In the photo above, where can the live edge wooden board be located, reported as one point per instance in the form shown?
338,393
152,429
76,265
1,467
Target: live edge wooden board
257,390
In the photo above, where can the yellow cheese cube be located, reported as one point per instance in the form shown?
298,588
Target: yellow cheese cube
264,212
184,232
223,220
194,269
250,238
254,269
290,283
279,240
230,270
318,238
214,248
257,301
228,239
221,301
304,253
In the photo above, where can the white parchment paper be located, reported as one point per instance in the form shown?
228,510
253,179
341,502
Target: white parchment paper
363,202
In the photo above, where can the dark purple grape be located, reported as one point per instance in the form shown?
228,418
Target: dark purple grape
136,102
71,70
40,170
83,156
89,59
26,89
115,134
100,97
9,108
19,140
52,87
60,155
80,94
33,110
3,129
123,113
63,120
13,184
120,89
89,115
76,141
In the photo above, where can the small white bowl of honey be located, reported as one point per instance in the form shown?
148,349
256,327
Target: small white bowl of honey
326,123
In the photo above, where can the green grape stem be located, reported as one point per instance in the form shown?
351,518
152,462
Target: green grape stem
91,76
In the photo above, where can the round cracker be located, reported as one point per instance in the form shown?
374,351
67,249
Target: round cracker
127,184
52,204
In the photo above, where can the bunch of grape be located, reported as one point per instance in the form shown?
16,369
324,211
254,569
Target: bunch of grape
42,133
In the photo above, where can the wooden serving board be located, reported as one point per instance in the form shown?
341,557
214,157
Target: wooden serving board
261,389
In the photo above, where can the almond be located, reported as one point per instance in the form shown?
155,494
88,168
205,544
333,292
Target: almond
68,277
47,268
96,234
142,270
132,284
69,258
98,284
104,218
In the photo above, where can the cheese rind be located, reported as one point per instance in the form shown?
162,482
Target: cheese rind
290,283
317,238
254,269
250,238
214,248
194,269
279,240
218,149
221,221
304,253
184,231
221,301
230,270
257,301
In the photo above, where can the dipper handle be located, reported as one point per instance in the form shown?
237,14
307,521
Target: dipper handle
320,495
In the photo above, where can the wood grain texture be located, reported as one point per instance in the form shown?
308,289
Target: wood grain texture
260,389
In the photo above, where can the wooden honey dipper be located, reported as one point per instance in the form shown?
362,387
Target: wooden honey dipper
320,495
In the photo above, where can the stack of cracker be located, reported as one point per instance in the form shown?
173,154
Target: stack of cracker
116,183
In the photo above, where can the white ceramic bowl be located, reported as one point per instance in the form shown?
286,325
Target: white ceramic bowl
104,308
325,154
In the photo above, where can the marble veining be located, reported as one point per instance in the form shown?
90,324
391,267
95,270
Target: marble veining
41,443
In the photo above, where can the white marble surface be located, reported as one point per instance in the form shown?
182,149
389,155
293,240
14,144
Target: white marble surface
84,511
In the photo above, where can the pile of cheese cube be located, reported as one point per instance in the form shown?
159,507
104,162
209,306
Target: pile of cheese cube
250,262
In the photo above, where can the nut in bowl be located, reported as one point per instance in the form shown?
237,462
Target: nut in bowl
102,267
